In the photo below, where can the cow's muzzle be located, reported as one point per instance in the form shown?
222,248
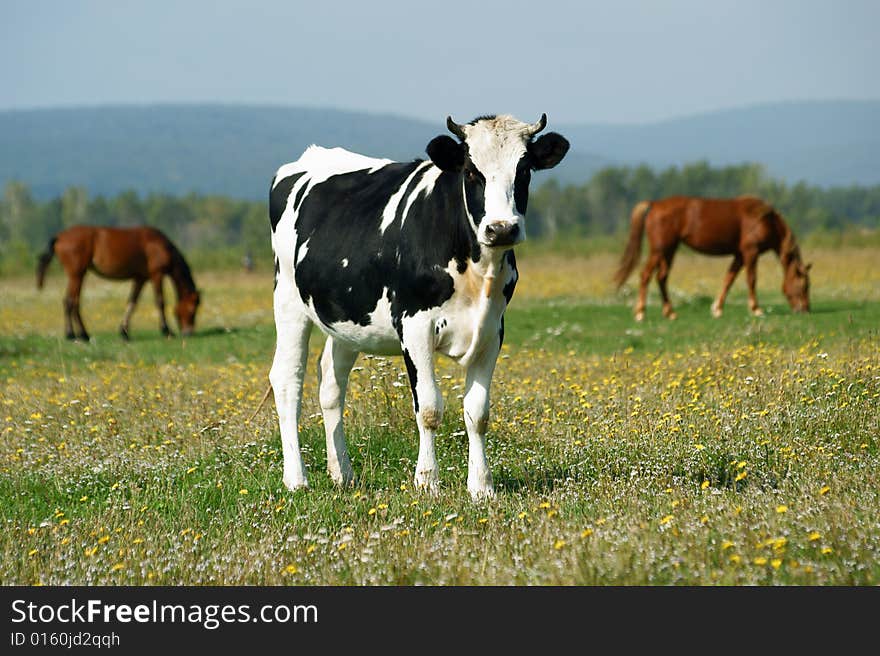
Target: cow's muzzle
502,233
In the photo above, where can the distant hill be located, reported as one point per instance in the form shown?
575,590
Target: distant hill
830,143
234,150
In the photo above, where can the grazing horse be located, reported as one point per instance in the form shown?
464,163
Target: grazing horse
140,253
743,227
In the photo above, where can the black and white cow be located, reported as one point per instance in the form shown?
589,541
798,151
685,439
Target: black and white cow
401,257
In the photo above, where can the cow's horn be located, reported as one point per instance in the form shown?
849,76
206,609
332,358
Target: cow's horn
535,128
455,128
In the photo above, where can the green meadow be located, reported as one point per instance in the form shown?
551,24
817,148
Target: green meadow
700,451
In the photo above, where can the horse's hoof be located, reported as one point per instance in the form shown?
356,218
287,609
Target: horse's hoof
716,311
70,336
640,316
84,337
672,316
124,334
757,312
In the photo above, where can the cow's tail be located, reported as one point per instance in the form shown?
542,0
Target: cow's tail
260,407
43,262
634,245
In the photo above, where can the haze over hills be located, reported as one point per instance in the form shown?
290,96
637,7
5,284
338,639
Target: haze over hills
234,150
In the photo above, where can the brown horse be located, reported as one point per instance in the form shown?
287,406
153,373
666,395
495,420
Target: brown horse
140,253
743,227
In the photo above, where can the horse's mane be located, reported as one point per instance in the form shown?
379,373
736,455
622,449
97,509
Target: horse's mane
181,270
788,248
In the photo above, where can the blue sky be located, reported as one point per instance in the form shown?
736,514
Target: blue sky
625,61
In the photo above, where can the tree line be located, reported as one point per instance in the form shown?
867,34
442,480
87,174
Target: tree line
602,205
218,229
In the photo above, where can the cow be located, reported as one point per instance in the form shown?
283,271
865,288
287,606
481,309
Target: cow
401,258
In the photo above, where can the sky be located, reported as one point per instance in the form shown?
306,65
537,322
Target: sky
622,61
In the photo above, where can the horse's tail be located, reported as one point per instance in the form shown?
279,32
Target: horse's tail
634,245
43,262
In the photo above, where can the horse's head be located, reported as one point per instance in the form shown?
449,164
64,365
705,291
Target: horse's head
796,285
185,311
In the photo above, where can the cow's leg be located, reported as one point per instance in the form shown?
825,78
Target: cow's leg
129,309
476,421
645,278
73,319
336,364
751,262
729,277
418,354
292,329
159,294
662,276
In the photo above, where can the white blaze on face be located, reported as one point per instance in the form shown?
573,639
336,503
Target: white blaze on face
495,147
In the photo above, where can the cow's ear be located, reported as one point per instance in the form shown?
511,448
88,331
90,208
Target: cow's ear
446,153
548,150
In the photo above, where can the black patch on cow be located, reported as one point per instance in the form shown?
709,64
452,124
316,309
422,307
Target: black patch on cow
299,196
277,271
278,197
521,183
341,218
501,333
410,188
474,191
511,285
413,378
436,231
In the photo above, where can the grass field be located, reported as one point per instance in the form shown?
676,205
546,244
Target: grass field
702,452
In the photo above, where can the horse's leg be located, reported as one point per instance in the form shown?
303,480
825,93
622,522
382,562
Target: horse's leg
68,310
650,265
751,261
129,309
729,277
156,279
74,322
292,328
336,364
662,275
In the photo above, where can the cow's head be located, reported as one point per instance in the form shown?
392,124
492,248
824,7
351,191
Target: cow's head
495,158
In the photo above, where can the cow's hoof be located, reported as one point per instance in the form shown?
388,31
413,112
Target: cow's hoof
294,483
124,334
428,481
479,494
343,477
71,336
84,337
